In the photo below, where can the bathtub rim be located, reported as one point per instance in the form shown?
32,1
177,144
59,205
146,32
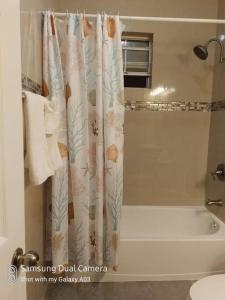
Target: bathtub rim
219,235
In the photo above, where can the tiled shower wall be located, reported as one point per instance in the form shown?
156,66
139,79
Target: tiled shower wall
165,157
174,65
166,151
216,189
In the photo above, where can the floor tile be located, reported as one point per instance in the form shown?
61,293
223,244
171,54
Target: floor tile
153,290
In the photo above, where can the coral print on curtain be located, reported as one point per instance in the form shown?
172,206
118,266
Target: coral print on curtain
83,73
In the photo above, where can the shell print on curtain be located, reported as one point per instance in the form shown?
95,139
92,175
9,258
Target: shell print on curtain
91,63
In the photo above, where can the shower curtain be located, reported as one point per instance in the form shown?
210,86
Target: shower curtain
83,76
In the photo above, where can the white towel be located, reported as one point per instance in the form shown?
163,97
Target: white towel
42,153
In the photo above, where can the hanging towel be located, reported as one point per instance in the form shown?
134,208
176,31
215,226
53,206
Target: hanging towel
42,156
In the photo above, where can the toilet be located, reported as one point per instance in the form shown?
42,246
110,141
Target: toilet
209,288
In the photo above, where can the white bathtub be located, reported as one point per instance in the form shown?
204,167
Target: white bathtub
169,243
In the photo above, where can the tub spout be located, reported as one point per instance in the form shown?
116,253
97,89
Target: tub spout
218,202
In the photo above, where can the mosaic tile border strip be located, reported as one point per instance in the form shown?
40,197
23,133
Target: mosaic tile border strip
29,85
183,106
218,105
169,106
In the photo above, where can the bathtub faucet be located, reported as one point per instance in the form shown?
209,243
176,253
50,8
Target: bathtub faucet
218,202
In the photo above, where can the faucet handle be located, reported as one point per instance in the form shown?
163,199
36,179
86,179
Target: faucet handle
217,202
219,172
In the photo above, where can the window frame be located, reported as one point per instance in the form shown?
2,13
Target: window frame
138,36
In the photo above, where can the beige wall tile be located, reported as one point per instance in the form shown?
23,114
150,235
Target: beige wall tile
219,71
165,157
31,36
216,189
174,65
162,164
164,8
166,153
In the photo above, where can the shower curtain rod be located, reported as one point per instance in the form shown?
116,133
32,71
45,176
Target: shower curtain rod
139,18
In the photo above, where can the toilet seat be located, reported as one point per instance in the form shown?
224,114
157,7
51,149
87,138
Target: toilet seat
209,288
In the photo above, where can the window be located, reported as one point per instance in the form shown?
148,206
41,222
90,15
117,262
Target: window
137,59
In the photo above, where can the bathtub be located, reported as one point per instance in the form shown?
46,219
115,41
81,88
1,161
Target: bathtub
169,243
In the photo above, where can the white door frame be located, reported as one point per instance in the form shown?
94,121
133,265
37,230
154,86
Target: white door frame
12,220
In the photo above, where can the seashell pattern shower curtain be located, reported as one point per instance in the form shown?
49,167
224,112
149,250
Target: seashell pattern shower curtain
83,75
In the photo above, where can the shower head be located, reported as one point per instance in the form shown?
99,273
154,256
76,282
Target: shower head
201,51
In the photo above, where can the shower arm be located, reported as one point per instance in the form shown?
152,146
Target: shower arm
222,58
